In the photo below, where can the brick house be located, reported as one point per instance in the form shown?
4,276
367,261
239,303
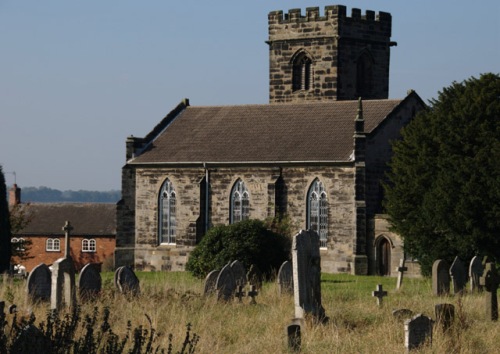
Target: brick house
315,152
42,240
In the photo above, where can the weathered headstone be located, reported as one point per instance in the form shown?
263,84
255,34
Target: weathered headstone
445,315
89,282
490,281
240,275
128,283
475,273
418,330
31,340
307,275
240,293
254,276
252,293
458,276
400,269
63,291
380,293
402,314
39,283
117,271
225,284
210,281
285,278
293,336
440,278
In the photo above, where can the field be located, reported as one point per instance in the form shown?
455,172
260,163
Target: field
169,301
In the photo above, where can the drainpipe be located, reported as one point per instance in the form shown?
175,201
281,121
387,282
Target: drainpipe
207,195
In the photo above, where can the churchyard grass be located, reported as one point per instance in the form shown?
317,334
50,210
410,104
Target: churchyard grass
356,324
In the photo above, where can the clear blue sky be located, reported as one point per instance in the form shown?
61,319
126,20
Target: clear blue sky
78,77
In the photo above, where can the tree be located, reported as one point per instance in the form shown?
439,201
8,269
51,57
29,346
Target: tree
5,248
20,216
443,194
249,241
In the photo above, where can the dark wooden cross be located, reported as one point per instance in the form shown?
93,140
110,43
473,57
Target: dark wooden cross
253,293
379,294
401,269
240,293
490,280
67,228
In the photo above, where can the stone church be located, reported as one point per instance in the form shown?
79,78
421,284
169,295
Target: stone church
317,152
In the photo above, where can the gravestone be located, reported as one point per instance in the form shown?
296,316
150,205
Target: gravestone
252,293
440,278
285,278
445,315
490,281
39,283
307,275
225,284
63,292
117,271
402,314
293,336
31,340
210,281
379,294
475,273
458,276
128,283
254,276
239,272
401,269
418,330
240,293
89,282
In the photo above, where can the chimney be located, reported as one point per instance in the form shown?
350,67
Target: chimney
14,195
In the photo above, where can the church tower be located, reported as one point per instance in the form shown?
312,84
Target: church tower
329,57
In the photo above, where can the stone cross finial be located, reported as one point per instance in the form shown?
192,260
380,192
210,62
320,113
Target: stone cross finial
379,294
67,228
490,280
401,269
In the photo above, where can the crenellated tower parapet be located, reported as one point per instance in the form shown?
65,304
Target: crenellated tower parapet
329,56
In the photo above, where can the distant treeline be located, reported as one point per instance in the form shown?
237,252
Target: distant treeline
49,195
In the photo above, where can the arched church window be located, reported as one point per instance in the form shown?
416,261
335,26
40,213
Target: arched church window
301,79
317,213
364,75
167,220
240,202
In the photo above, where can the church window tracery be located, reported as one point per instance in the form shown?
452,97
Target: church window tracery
301,79
317,214
240,202
167,208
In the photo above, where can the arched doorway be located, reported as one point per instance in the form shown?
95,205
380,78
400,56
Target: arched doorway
383,248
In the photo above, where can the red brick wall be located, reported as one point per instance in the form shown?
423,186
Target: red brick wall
36,251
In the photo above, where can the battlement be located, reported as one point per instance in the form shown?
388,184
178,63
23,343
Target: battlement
331,12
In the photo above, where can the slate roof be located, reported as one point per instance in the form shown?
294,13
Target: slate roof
93,219
262,133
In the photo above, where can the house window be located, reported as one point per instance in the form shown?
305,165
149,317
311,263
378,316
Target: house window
18,243
317,214
240,202
53,245
88,245
301,79
167,221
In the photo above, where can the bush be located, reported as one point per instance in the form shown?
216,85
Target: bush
248,241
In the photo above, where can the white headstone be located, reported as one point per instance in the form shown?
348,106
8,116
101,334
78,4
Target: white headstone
63,284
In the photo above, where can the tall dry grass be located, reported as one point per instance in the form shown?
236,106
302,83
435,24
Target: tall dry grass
356,325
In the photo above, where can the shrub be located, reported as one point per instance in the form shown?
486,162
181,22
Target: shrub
248,241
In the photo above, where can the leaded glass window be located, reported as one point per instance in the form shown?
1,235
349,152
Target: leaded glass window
240,202
167,222
317,215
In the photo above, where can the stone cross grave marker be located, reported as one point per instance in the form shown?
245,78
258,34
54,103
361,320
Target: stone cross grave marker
210,281
39,283
254,276
307,275
440,278
445,315
400,269
285,278
225,284
490,281
89,282
240,275
458,276
63,291
418,330
380,293
127,281
475,273
252,293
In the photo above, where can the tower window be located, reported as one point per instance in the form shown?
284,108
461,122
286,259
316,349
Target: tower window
240,202
167,222
301,72
317,213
